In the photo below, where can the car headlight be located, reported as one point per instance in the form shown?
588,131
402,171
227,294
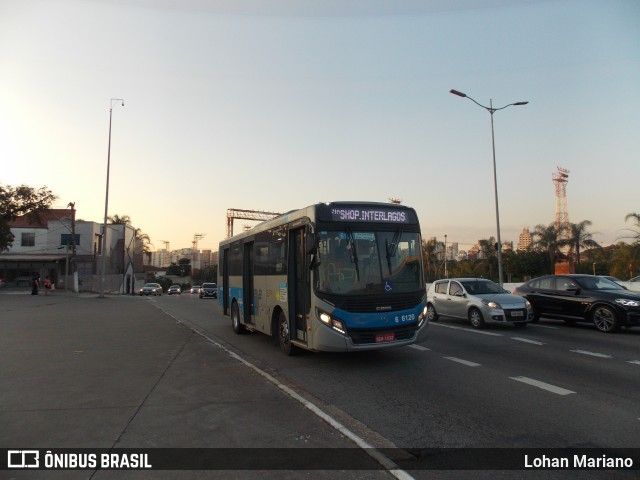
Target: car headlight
334,323
628,303
527,303
491,304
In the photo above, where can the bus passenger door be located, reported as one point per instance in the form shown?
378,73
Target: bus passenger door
247,284
299,283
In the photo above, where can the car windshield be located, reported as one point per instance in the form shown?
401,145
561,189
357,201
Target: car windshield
597,283
209,285
150,285
482,287
363,262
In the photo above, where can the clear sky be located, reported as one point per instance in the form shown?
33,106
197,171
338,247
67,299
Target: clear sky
278,104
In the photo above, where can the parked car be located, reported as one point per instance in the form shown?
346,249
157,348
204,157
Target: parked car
479,300
151,289
635,279
196,289
583,298
209,290
174,289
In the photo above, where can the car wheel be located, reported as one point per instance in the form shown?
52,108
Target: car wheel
284,336
432,315
238,328
475,318
605,319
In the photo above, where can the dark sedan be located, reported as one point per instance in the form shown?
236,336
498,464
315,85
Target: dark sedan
583,298
209,290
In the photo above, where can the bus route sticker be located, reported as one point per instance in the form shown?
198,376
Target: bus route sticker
283,292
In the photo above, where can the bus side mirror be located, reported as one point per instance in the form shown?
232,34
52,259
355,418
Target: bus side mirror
311,243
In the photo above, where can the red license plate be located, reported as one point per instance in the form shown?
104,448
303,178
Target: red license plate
385,337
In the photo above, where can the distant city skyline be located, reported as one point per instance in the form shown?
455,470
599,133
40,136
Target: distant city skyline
279,105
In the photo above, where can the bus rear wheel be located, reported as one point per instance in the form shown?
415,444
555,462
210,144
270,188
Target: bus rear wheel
238,328
284,335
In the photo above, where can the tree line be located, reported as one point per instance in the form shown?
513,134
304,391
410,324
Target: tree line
550,244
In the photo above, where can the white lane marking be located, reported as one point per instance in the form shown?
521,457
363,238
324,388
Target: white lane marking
592,354
374,453
468,330
542,326
419,347
637,362
526,340
464,362
542,385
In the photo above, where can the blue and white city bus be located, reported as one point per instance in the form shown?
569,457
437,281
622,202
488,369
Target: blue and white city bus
339,276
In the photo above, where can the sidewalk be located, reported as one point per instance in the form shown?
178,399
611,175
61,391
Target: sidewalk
77,371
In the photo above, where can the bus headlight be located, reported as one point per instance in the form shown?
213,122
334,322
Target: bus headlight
422,316
334,323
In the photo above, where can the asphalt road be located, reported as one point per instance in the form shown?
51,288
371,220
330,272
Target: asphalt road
549,385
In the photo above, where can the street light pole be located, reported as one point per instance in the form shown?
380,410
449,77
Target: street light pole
106,203
491,111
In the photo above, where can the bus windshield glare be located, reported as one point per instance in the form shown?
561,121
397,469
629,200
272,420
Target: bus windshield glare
356,262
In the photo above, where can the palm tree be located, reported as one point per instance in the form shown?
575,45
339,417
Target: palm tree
120,220
548,239
579,237
635,247
143,241
636,219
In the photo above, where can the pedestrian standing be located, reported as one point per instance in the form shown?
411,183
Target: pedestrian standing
35,283
47,285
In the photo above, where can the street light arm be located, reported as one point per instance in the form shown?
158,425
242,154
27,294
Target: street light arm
491,110
502,108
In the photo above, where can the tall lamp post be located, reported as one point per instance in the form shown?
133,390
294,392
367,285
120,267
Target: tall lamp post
106,203
491,111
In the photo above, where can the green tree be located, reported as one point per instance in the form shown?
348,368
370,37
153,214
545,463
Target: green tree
487,264
180,269
579,238
430,250
18,201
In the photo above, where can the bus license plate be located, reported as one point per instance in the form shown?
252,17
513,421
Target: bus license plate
385,337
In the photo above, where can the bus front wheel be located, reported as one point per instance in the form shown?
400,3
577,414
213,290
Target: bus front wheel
284,335
235,319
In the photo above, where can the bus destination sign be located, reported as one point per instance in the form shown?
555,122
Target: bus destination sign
367,214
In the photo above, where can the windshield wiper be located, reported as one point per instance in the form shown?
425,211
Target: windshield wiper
393,248
354,253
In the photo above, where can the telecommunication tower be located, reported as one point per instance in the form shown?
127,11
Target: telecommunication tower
560,180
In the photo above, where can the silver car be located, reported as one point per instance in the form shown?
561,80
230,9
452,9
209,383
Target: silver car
151,289
479,300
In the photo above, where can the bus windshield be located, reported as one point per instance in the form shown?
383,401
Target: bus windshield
356,262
